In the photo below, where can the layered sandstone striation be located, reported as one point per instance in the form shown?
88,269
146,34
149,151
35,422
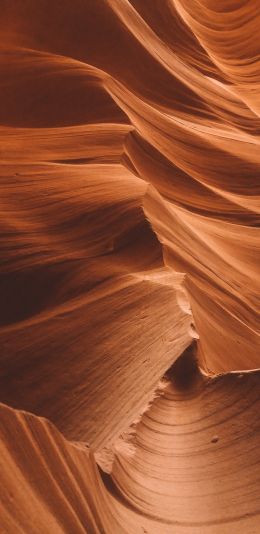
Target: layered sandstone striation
129,273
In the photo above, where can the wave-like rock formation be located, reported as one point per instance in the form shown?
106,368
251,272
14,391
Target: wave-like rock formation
129,273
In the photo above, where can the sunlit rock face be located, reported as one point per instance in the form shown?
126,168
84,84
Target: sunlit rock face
129,273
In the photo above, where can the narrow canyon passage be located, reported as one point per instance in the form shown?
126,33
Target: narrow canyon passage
129,269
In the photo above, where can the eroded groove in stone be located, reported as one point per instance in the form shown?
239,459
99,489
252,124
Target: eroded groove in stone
129,245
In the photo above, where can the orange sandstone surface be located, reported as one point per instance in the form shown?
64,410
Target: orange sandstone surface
129,267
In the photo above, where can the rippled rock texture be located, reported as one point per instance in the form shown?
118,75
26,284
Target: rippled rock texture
129,273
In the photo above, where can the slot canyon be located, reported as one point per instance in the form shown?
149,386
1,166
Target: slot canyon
129,267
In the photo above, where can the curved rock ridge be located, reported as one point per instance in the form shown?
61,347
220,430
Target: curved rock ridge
194,469
129,267
196,461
